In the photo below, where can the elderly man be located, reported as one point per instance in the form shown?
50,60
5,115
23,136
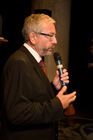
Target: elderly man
30,106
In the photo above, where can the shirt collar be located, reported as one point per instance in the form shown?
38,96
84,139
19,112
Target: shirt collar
33,52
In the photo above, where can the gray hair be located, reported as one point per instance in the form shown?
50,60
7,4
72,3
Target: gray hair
34,23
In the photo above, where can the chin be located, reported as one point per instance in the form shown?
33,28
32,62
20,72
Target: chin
49,53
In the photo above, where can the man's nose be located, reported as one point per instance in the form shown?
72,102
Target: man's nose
54,40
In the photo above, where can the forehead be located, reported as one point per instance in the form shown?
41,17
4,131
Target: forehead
48,26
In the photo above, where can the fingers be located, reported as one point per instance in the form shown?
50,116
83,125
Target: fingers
65,73
60,94
57,73
72,99
64,70
63,90
64,76
72,96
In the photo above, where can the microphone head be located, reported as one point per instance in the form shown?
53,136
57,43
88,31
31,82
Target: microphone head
57,56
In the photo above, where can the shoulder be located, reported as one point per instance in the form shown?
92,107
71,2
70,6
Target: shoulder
18,56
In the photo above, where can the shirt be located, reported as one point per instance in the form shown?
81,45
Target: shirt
33,52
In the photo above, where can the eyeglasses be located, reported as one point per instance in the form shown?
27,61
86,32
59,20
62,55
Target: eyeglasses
47,35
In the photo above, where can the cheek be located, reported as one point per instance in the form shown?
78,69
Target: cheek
43,44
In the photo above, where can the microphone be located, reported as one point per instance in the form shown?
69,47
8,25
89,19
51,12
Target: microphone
59,66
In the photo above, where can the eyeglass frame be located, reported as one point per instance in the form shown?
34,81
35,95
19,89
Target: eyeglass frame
49,35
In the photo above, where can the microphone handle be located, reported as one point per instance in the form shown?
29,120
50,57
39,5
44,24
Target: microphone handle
60,69
61,81
60,73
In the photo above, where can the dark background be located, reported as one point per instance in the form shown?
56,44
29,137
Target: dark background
81,33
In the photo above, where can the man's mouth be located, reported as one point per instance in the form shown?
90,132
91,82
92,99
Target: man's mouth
51,48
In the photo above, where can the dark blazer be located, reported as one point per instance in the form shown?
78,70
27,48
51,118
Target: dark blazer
30,107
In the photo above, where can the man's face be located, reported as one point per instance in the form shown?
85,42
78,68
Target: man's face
45,44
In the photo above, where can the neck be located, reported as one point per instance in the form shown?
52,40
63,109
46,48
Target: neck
33,47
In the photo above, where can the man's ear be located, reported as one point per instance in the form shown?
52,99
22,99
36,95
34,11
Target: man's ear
32,37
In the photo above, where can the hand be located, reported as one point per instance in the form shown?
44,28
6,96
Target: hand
64,77
66,99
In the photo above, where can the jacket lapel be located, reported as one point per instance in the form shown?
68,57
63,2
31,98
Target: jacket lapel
36,66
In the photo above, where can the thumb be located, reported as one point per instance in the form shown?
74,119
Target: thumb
63,90
57,73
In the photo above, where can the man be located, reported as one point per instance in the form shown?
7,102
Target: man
31,107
